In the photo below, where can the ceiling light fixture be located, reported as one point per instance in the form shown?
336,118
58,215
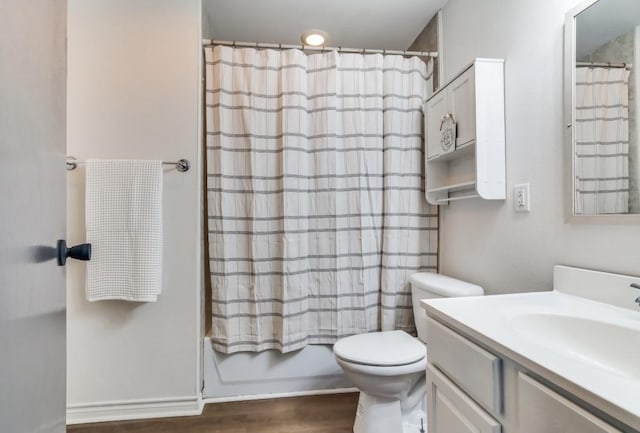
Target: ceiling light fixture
314,38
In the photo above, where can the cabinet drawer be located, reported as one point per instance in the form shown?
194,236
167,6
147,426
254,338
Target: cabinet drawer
542,410
475,370
451,410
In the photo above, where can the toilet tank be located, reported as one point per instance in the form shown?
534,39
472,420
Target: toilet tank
427,285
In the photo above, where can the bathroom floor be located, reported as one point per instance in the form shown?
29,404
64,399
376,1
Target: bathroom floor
317,414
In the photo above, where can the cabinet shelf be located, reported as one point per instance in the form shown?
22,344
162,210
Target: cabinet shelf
456,198
459,152
455,187
475,166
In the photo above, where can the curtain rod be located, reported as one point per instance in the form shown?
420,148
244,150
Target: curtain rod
210,42
604,65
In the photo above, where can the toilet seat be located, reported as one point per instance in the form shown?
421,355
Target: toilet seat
387,371
381,349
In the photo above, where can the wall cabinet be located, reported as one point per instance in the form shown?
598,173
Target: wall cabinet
472,165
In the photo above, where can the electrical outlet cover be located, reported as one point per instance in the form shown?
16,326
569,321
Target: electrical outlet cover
521,199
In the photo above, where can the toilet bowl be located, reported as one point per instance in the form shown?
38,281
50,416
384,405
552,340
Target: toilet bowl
389,367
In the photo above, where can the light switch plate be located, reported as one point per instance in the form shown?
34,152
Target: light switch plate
521,199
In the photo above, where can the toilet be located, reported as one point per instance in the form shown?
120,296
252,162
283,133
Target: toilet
389,367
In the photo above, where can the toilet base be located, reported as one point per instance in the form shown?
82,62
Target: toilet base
380,415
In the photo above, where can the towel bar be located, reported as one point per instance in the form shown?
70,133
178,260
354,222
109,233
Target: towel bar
182,165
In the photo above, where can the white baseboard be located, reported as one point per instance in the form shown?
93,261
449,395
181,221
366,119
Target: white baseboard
278,395
133,409
170,407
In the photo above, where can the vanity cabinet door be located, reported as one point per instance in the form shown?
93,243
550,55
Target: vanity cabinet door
449,410
542,410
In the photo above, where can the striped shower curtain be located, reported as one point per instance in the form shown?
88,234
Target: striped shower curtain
316,209
602,141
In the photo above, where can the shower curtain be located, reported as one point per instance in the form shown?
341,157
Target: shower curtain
602,140
316,207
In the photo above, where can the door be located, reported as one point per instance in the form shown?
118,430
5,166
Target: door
32,215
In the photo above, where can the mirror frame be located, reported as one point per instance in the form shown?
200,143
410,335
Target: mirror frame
569,121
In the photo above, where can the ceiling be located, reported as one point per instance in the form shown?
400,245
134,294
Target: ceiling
383,24
603,22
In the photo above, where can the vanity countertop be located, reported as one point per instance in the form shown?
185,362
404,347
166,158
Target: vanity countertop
589,348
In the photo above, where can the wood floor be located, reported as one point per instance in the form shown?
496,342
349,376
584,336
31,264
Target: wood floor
317,414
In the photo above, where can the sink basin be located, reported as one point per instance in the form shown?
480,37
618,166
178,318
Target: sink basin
605,345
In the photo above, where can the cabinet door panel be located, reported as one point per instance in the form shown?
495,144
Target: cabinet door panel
542,410
437,107
451,411
463,106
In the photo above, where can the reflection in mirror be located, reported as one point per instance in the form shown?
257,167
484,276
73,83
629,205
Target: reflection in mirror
606,108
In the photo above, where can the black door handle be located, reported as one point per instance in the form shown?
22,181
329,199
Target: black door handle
78,252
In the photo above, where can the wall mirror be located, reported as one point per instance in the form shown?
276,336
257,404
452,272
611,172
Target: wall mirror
602,109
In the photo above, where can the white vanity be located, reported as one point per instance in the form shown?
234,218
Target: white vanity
565,361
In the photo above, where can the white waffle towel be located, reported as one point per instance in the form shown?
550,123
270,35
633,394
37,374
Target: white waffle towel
124,227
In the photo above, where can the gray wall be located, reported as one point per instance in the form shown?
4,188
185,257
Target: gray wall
427,40
487,242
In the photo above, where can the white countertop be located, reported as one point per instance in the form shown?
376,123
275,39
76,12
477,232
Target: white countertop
574,363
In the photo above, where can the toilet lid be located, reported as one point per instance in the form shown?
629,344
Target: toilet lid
387,348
